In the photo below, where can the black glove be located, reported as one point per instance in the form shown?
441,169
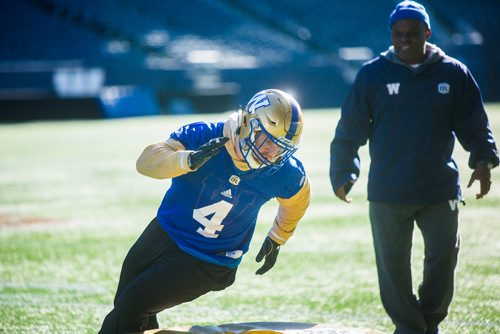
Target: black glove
205,152
270,249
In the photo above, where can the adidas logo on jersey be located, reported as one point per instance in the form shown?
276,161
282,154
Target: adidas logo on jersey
227,193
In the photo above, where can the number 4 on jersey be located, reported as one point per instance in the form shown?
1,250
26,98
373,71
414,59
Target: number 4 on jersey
218,211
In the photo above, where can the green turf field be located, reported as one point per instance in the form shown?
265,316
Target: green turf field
71,205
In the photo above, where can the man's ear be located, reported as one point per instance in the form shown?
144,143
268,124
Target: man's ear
428,33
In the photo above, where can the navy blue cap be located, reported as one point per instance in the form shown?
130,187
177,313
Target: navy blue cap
409,10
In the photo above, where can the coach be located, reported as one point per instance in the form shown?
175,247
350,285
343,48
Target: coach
410,103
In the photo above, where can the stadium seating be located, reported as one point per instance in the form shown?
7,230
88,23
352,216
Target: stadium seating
184,48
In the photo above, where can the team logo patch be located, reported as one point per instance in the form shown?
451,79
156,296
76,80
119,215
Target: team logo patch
443,88
393,88
453,204
234,180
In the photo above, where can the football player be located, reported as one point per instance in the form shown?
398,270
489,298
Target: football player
222,173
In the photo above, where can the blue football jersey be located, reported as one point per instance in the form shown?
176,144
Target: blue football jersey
211,213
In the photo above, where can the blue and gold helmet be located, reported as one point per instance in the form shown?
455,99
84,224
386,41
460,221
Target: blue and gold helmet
271,126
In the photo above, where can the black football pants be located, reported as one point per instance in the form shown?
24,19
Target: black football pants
392,229
157,275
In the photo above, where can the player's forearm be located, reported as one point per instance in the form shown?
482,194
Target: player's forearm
290,212
163,160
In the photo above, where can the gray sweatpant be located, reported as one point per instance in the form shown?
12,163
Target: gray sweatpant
392,229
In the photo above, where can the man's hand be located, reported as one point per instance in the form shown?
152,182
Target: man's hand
342,191
483,174
270,249
205,152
